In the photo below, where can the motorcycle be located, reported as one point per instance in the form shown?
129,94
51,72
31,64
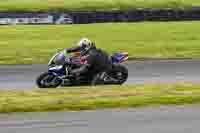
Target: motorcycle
59,75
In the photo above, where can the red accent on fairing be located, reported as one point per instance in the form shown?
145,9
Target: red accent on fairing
125,57
77,53
83,60
125,53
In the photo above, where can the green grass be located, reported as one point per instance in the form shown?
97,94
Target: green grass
36,44
89,98
66,5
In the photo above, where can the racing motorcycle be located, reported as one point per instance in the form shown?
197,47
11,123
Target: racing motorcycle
59,75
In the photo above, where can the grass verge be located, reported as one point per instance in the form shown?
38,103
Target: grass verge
36,44
89,98
65,5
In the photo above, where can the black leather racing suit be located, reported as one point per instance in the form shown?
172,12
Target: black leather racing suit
73,49
97,61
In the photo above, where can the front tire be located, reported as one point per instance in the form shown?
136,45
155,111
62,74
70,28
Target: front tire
42,81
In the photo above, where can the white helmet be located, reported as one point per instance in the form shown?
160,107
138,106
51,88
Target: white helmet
85,43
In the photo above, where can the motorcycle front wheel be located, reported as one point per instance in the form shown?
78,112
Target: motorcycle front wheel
48,81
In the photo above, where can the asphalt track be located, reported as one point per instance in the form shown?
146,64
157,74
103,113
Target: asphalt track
23,76
182,119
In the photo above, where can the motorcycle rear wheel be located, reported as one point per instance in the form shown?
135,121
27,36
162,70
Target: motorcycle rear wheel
118,75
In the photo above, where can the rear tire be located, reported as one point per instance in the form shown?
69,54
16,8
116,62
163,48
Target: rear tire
41,83
97,80
120,73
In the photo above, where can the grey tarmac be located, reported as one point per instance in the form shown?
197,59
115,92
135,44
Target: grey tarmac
166,119
140,72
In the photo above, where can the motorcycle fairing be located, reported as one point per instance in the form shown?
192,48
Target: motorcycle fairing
119,57
60,69
57,70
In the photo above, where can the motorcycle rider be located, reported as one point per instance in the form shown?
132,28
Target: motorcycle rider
96,60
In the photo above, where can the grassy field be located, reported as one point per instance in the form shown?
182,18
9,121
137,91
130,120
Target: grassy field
36,44
89,98
61,5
